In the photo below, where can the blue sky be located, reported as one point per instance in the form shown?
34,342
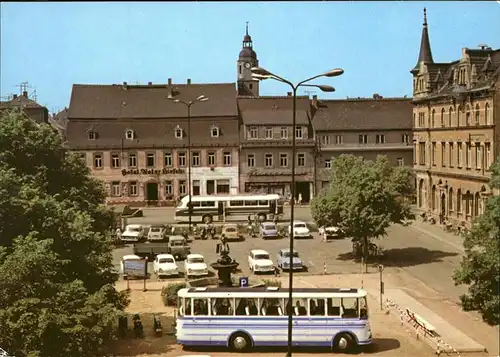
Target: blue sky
54,45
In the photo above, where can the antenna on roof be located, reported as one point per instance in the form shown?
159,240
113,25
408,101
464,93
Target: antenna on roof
309,92
23,87
33,95
8,97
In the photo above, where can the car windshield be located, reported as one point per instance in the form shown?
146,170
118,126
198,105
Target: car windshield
155,230
268,227
261,256
196,260
133,229
166,260
287,254
300,225
177,243
231,230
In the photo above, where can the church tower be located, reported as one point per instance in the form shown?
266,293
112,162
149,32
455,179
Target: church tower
246,60
421,80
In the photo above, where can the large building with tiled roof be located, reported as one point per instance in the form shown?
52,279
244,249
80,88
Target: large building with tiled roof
30,107
456,131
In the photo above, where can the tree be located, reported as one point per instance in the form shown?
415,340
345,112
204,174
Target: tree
364,198
480,267
57,295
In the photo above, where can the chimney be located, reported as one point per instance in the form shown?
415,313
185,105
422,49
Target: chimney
150,83
289,94
315,101
170,81
25,94
15,96
124,86
189,81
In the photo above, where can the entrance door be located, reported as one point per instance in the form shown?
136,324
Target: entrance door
152,191
303,188
210,187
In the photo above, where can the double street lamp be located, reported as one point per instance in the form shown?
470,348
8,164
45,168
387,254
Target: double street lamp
260,73
199,99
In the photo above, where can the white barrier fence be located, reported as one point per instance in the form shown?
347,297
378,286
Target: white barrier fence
413,326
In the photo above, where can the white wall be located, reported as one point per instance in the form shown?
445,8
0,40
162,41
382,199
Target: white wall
203,174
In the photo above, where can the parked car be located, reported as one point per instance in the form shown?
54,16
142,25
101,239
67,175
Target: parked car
165,265
178,247
230,232
268,230
195,265
331,232
157,233
300,230
127,257
133,233
259,261
283,260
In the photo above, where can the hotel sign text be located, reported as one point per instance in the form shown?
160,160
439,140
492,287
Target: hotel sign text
164,171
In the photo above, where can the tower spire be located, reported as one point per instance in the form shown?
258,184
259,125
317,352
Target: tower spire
246,32
425,54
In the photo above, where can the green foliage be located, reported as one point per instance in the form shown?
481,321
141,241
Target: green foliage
56,274
364,198
169,293
480,268
272,282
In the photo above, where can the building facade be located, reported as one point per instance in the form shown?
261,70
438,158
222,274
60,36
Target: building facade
135,138
456,131
30,107
365,127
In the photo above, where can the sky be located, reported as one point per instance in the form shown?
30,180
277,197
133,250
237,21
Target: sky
55,45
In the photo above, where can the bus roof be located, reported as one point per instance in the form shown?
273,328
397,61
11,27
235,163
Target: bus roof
271,292
232,197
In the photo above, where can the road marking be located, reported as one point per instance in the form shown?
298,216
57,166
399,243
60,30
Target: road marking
442,240
310,263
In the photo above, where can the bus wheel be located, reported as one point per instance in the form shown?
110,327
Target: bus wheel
240,342
343,343
207,219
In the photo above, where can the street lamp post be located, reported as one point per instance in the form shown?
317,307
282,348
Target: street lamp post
260,73
188,105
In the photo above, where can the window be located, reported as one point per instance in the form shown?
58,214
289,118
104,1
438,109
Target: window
284,132
167,159
421,119
115,161
196,188
181,159
83,156
363,139
211,158
223,186
414,119
251,160
301,159
442,118
227,158
477,148
468,155
487,115
169,189
269,132
328,163
339,139
433,116
459,110
459,201
268,160
98,161
150,159
476,114
400,161
129,134
380,139
487,159
433,154
443,153
253,132
459,155
132,188
421,153
182,187
195,159
317,307
414,153
115,188
222,307
325,140
214,132
298,132
450,114
132,160
405,139
467,116
284,160
92,135
451,148
179,132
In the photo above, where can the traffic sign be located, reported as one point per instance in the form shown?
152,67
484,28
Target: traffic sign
243,282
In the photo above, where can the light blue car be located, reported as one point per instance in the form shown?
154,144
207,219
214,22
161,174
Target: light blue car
268,230
283,260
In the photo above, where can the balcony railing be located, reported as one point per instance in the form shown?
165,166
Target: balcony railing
365,147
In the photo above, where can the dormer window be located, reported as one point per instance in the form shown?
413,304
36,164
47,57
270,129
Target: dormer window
215,132
92,135
129,134
178,132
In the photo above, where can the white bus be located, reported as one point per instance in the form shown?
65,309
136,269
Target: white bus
210,208
242,318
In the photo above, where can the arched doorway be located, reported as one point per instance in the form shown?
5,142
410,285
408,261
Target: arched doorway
152,191
421,193
433,198
477,200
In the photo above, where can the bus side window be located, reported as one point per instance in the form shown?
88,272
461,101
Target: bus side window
350,308
272,307
333,307
317,307
264,203
247,307
187,307
180,306
222,307
363,308
200,307
299,307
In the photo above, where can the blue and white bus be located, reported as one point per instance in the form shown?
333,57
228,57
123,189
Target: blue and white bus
242,318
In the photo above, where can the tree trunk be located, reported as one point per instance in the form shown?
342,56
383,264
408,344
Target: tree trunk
365,252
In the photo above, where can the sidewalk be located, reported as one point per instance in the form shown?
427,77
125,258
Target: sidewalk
437,232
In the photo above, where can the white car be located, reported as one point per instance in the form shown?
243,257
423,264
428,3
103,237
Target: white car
156,233
259,261
300,230
165,265
133,233
195,265
330,232
128,257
